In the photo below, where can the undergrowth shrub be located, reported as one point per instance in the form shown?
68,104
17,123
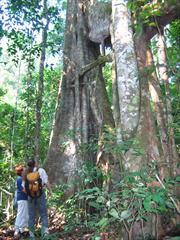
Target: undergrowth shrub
92,208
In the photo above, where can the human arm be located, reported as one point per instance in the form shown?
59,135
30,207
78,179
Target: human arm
19,184
48,185
45,181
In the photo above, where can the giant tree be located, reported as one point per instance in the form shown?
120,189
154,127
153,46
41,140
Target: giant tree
83,110
79,114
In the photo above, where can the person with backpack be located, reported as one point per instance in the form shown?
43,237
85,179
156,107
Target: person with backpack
36,181
21,221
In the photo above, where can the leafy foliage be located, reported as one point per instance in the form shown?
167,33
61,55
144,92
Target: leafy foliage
173,48
145,12
137,196
107,73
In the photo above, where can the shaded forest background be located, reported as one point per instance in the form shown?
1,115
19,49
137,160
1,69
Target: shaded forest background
32,66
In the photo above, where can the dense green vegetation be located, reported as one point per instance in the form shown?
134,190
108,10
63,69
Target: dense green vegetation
95,209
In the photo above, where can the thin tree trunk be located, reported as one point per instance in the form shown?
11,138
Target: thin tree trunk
13,122
40,89
163,75
157,99
146,128
116,109
27,129
128,88
26,138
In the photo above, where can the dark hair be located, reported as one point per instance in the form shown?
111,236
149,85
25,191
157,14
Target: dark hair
31,163
30,166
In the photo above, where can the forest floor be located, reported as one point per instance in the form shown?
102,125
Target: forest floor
57,232
56,228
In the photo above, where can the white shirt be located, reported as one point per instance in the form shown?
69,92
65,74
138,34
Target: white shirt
43,175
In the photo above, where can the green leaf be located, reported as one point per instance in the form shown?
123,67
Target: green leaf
100,199
125,214
157,198
178,179
103,222
95,205
96,238
147,204
152,24
114,213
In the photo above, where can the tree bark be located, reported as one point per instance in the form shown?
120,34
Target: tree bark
83,107
126,69
146,131
158,102
164,78
146,128
27,129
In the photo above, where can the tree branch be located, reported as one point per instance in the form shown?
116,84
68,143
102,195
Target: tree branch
169,13
101,60
6,192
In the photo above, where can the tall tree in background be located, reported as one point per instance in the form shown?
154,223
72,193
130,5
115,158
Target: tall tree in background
23,22
40,89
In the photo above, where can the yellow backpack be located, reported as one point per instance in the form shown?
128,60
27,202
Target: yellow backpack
33,184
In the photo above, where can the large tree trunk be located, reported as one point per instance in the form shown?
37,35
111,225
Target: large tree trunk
146,131
83,108
134,119
126,79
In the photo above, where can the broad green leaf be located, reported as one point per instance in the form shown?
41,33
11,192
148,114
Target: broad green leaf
157,198
96,238
147,204
114,213
95,205
100,199
152,24
103,222
125,214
